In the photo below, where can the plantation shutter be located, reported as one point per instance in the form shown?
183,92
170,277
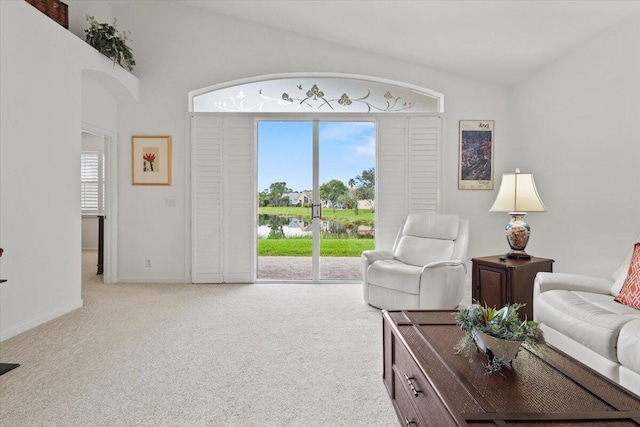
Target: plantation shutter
222,164
407,172
391,179
206,194
239,200
424,143
92,182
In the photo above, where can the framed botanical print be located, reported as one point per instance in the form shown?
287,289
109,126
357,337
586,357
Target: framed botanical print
476,142
151,160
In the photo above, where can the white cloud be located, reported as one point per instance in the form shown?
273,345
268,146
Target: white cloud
368,148
358,137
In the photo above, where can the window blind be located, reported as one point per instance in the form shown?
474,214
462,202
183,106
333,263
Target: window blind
92,182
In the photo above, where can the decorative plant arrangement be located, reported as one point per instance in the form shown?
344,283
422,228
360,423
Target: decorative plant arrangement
496,332
110,42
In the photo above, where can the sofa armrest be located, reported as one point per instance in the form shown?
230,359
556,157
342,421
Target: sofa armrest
570,282
373,256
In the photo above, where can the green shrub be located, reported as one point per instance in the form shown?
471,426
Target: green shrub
110,42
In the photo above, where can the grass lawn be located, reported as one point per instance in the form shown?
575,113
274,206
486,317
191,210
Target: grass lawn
302,247
342,215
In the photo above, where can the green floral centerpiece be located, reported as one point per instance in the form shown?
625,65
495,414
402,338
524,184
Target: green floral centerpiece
110,42
496,332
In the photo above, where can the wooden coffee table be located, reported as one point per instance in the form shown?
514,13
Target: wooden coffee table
431,385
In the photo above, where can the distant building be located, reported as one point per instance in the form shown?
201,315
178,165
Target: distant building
299,199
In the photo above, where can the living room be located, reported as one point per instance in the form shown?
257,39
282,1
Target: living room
569,121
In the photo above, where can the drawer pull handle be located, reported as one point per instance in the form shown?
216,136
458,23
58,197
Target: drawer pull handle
411,386
409,423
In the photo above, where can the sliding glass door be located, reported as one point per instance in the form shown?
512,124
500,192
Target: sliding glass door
285,190
316,182
346,168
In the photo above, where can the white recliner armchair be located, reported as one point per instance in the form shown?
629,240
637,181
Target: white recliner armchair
426,268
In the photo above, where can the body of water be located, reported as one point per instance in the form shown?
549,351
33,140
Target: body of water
292,226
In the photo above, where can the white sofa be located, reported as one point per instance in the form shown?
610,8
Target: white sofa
425,268
579,316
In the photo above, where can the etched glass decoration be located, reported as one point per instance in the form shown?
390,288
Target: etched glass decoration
318,95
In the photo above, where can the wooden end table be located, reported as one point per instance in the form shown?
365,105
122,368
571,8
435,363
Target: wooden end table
430,385
497,281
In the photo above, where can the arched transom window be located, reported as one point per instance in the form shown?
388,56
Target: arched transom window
317,94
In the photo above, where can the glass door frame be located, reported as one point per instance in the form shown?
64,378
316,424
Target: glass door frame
316,219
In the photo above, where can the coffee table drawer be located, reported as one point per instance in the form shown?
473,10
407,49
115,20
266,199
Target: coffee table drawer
423,396
408,413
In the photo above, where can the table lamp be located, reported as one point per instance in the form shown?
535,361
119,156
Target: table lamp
517,196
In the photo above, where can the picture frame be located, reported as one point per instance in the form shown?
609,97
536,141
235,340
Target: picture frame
476,152
151,160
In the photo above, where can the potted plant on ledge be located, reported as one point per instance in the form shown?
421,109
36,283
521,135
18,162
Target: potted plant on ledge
110,42
496,332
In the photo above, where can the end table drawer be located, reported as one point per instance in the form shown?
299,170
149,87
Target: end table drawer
423,396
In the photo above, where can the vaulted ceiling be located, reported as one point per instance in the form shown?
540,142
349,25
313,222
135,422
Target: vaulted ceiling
501,41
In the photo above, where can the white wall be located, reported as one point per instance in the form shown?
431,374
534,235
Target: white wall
41,116
99,106
89,233
78,11
179,49
575,126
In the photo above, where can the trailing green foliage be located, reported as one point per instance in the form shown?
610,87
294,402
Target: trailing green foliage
110,42
503,323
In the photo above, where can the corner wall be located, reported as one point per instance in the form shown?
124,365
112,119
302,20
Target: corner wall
574,125
40,225
41,114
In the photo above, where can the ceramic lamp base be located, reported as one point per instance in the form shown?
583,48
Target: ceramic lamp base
517,232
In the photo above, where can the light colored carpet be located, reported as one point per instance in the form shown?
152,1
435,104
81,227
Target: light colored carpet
201,355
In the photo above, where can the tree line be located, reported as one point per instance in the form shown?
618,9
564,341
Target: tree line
336,192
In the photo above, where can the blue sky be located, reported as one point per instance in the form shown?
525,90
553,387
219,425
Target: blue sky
285,152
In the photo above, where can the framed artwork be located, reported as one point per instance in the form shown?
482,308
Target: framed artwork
475,170
151,160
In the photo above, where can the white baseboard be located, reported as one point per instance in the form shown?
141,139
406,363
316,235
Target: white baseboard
153,280
8,333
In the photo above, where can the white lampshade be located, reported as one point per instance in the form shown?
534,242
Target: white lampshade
518,193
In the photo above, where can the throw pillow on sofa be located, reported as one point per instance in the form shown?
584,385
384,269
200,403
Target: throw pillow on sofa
630,292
